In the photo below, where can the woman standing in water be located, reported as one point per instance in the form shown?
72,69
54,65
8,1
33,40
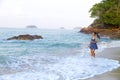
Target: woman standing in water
93,43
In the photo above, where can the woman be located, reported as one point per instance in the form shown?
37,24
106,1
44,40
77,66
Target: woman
93,43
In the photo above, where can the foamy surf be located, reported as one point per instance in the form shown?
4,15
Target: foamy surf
67,68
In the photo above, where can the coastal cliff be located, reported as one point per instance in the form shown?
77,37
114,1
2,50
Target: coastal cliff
112,33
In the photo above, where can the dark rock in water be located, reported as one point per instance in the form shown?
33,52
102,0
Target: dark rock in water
11,38
25,37
37,37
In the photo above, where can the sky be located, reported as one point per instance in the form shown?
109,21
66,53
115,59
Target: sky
46,13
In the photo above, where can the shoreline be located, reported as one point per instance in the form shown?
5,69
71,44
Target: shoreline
110,53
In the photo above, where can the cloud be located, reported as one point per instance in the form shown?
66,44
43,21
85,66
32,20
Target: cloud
53,12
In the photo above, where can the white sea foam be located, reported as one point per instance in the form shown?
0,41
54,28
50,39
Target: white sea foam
111,44
67,68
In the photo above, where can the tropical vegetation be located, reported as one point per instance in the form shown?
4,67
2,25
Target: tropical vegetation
106,14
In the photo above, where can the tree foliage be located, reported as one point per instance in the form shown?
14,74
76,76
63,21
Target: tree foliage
107,12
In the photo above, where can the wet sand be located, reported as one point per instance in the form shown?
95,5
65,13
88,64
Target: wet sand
111,53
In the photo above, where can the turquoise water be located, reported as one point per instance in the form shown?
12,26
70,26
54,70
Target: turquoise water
54,41
61,55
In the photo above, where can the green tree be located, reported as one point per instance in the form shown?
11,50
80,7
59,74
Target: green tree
106,13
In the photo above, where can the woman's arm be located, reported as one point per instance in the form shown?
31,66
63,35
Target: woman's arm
96,39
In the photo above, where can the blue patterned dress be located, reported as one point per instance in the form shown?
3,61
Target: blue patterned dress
93,44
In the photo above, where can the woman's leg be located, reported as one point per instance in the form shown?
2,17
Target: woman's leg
92,52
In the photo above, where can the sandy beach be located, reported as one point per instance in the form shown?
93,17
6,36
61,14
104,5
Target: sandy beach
111,53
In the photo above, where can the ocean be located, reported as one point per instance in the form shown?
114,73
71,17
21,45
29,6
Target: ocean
60,55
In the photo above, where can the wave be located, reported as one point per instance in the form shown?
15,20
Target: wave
53,68
64,45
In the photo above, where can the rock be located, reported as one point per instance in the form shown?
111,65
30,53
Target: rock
112,33
37,37
87,30
11,38
25,37
115,35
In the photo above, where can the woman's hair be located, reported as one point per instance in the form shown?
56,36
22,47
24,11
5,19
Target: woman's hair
98,36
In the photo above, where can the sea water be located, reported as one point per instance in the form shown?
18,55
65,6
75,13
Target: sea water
60,55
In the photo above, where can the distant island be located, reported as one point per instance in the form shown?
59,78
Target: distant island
31,26
62,28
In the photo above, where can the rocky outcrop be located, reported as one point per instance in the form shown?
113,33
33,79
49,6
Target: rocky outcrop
112,33
25,37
